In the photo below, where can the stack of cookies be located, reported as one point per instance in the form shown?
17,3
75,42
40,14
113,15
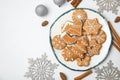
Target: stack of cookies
80,39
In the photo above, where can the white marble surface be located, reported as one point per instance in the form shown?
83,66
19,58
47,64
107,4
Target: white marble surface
22,37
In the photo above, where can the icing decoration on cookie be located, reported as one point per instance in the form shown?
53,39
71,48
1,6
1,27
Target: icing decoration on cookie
100,37
58,43
81,46
68,54
76,29
68,39
78,15
66,26
83,40
91,26
93,48
83,62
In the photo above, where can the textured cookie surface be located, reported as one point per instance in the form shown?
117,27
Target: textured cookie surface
76,29
93,48
68,54
81,44
91,26
83,62
58,43
79,15
66,26
68,39
100,37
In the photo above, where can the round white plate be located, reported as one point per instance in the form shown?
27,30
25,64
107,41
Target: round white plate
95,60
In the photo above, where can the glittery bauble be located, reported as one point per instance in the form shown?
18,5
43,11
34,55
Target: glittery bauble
41,10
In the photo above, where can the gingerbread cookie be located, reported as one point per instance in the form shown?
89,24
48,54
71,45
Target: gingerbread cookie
78,15
94,48
79,51
83,62
68,39
76,29
58,43
83,40
100,37
79,62
80,23
81,46
84,33
86,61
66,26
68,54
92,26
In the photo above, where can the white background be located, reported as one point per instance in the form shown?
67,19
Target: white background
22,37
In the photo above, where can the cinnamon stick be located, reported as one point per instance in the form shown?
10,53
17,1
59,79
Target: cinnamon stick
116,38
73,2
114,32
77,3
118,42
115,45
68,0
83,75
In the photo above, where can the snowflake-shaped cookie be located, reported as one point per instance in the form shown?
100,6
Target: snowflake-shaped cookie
58,43
92,26
41,69
68,54
108,5
108,72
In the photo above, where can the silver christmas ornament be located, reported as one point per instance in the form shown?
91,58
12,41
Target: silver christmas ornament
59,2
41,10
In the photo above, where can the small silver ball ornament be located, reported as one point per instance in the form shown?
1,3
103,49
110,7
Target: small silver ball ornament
59,2
41,10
